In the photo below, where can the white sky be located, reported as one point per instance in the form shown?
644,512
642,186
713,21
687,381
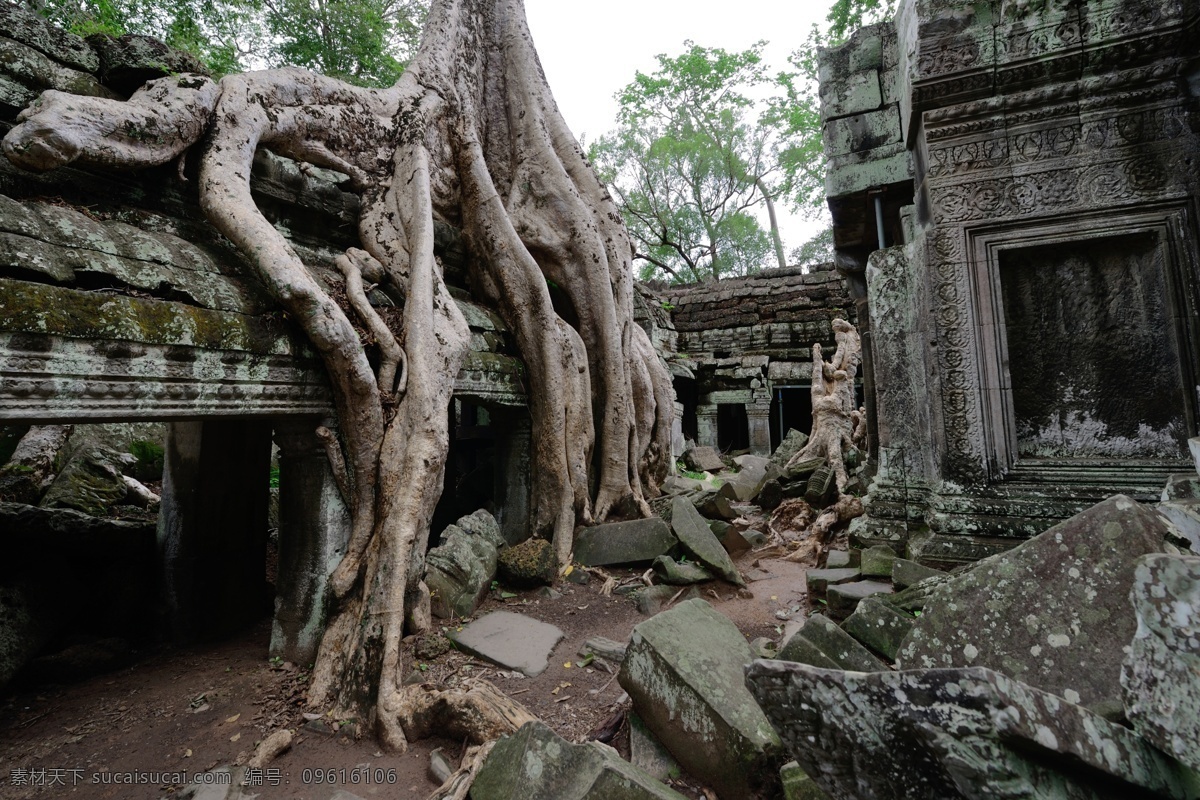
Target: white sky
590,52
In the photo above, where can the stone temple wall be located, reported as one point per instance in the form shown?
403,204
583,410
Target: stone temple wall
1021,199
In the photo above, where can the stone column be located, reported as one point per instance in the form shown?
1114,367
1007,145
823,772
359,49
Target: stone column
706,425
314,527
512,490
758,419
677,438
212,529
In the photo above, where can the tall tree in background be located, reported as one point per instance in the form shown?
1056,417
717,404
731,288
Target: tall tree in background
689,164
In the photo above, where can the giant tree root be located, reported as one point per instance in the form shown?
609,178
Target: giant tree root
458,785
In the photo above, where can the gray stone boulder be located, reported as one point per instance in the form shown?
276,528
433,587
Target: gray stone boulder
954,734
697,539
744,485
792,443
907,573
91,482
128,61
1181,486
1184,515
880,626
703,459
527,564
876,562
1053,612
683,670
31,467
535,763
461,568
679,573
844,598
715,507
513,641
34,30
632,542
835,645
1161,674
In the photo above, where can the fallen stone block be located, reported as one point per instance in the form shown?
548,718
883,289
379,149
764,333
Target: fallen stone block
648,754
1185,516
1053,612
840,559
697,539
803,651
731,539
535,763
792,443
1161,675
703,459
880,626
1194,447
675,573
715,507
802,470
460,569
512,641
797,785
527,564
1182,486
907,573
844,597
835,644
683,670
876,562
954,734
632,542
771,495
653,600
819,580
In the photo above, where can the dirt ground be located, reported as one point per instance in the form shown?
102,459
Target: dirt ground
178,712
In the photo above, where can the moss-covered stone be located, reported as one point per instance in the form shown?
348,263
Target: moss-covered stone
527,564
91,482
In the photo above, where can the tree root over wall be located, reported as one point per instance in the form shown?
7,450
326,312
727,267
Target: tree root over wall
469,135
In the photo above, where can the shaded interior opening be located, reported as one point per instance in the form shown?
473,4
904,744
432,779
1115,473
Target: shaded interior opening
733,427
791,407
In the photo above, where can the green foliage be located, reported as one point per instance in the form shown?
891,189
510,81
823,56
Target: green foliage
274,476
689,163
149,457
817,250
847,16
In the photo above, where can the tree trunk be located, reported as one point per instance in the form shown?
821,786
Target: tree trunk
470,135
776,239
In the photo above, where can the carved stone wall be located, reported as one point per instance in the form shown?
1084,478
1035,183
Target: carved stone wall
1051,142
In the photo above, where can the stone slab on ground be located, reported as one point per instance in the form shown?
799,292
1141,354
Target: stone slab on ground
844,597
715,507
819,580
880,626
1161,674
683,670
1053,612
836,644
802,651
679,574
697,539
703,459
535,763
629,542
954,733
647,753
839,559
906,573
513,641
876,562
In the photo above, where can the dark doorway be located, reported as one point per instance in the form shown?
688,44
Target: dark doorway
685,393
791,407
470,467
733,427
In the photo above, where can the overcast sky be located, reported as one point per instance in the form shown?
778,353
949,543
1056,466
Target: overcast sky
589,52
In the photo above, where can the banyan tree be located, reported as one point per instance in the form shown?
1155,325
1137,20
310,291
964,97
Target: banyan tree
469,136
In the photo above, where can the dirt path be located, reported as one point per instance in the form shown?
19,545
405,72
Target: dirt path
181,712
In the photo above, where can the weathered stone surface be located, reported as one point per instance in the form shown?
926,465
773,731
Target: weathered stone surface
797,785
24,477
715,506
514,641
880,626
1053,612
746,483
907,573
852,94
733,541
31,71
29,619
1161,674
696,538
624,542
129,61
90,482
674,572
803,651
36,31
835,644
1194,449
792,443
703,459
954,733
802,470
535,763
840,559
653,600
1181,486
647,753
844,597
460,569
683,672
526,564
860,132
819,580
1185,516
876,562
771,495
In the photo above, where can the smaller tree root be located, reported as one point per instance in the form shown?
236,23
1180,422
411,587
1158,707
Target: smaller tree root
459,784
480,713
356,264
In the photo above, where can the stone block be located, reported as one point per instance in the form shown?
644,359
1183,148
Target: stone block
835,644
631,542
858,172
460,569
792,443
1194,448
880,626
862,51
844,598
527,564
128,61
1160,677
25,67
652,600
770,496
876,562
907,573
1053,612
697,539
703,459
841,559
513,641
91,482
676,573
797,785
852,94
1181,486
819,580
803,651
535,763
27,27
953,734
683,670
862,132
1185,516
715,506
647,753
